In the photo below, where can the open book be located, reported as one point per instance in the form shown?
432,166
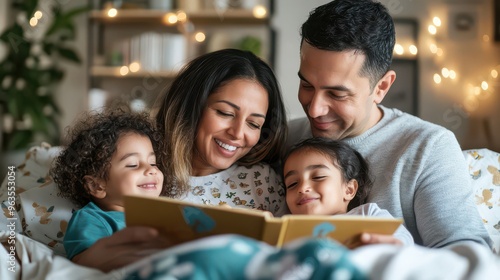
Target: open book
183,221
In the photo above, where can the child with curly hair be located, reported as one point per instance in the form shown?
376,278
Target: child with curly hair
109,155
328,177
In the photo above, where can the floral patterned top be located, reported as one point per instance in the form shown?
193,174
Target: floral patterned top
257,187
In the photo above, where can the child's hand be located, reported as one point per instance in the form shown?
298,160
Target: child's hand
370,238
122,248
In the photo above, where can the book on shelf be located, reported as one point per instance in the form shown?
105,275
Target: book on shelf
153,51
184,221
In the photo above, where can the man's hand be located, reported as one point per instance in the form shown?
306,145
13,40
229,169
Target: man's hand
370,238
122,248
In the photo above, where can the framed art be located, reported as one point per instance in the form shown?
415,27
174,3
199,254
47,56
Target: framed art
403,94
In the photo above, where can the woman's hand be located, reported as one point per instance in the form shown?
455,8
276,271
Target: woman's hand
122,248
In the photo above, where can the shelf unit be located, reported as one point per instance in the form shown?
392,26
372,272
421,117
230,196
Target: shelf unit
114,43
404,92
238,16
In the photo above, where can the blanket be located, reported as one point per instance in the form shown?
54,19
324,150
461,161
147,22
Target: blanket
30,259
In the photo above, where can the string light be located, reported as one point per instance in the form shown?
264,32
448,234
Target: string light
413,49
38,15
134,66
33,22
433,48
123,70
436,21
398,49
445,72
477,90
259,11
484,85
432,29
181,16
439,52
112,12
199,37
170,18
494,73
453,74
474,93
437,78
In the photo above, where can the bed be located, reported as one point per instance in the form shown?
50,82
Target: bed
32,230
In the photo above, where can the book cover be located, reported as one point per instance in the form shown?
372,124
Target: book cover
183,221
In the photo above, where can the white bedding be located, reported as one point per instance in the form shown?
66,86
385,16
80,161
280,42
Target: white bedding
463,261
43,216
37,261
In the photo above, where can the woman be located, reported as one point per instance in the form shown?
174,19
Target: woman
224,121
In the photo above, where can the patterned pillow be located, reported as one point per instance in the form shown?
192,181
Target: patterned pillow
484,169
40,213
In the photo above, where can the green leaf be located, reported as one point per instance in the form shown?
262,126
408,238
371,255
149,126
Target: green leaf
39,121
56,75
68,54
14,38
64,21
48,47
76,11
30,7
19,139
14,104
27,101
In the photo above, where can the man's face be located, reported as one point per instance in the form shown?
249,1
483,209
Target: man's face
337,100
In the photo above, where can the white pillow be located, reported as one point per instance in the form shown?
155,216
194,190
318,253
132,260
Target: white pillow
484,169
40,213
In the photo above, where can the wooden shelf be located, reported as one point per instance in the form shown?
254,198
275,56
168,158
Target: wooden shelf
139,34
156,16
114,72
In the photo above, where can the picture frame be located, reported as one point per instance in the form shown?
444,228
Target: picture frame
403,94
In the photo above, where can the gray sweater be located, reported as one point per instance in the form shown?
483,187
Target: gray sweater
420,175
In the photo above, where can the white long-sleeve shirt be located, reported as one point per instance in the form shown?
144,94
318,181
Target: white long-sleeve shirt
372,209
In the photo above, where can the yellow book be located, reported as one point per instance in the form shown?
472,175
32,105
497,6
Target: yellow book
184,221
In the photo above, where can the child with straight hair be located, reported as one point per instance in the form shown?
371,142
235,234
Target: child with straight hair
327,177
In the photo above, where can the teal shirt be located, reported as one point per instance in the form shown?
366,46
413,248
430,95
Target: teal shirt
88,225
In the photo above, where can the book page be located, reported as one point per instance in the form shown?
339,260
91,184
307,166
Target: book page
182,221
344,229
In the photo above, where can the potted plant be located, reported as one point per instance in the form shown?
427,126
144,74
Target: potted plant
36,43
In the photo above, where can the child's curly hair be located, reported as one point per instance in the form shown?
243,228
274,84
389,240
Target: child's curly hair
92,143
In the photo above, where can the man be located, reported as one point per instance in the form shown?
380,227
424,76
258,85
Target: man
420,172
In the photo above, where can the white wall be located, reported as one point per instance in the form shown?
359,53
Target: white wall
72,93
443,104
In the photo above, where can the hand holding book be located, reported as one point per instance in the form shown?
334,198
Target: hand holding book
182,222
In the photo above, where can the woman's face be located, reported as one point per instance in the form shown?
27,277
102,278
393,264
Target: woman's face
230,125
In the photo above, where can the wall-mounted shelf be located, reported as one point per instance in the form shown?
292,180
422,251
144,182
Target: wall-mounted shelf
114,72
145,16
144,38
